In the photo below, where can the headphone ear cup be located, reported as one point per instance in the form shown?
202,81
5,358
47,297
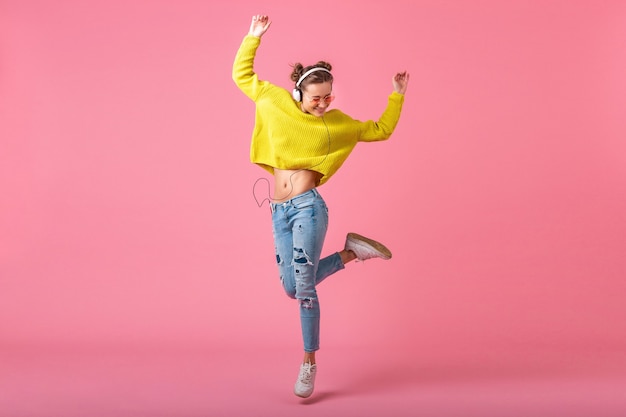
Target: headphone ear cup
297,95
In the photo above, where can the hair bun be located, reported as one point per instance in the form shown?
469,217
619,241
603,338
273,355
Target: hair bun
324,64
297,72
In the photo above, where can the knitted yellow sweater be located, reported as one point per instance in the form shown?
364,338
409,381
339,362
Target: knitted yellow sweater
285,137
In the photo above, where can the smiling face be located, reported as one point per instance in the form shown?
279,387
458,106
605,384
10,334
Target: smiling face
316,97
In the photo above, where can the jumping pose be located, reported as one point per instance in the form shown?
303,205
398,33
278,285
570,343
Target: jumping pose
303,143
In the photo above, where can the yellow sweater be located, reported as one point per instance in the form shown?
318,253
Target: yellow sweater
285,137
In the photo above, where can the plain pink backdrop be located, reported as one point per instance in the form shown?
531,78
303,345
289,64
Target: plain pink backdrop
127,216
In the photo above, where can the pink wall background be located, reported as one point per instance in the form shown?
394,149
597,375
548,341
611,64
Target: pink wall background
126,209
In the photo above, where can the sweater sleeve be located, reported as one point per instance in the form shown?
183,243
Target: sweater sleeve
243,68
382,129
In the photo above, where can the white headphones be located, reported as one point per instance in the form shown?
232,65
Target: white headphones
297,94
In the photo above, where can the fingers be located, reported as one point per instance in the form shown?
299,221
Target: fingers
401,76
400,82
262,19
260,24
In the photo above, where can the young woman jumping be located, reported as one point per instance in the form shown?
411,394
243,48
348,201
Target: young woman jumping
303,143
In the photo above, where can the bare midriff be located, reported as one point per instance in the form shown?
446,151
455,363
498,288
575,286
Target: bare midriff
289,183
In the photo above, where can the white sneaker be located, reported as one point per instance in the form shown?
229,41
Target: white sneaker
365,248
306,379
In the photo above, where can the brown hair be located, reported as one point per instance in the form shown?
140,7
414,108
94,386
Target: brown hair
316,77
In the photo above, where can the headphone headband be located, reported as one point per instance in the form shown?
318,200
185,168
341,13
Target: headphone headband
309,72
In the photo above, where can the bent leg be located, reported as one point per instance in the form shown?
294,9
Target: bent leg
328,266
299,228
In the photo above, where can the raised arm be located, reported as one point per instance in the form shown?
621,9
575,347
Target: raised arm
243,67
384,127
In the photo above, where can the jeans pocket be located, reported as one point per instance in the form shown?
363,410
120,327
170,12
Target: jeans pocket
301,205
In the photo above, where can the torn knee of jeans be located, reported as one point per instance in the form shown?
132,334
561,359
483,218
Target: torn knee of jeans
279,261
306,303
300,257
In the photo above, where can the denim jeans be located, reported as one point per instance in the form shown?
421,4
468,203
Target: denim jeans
299,227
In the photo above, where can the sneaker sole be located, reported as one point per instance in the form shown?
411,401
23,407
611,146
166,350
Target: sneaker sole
384,252
302,395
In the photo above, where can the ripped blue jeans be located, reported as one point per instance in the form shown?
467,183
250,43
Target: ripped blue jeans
299,227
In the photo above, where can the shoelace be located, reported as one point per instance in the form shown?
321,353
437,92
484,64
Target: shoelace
305,374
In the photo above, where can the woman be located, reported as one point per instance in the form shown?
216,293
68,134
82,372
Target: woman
302,143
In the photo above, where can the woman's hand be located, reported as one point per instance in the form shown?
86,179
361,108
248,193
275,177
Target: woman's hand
259,25
400,82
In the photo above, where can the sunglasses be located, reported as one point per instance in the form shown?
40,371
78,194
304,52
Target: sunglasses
317,100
